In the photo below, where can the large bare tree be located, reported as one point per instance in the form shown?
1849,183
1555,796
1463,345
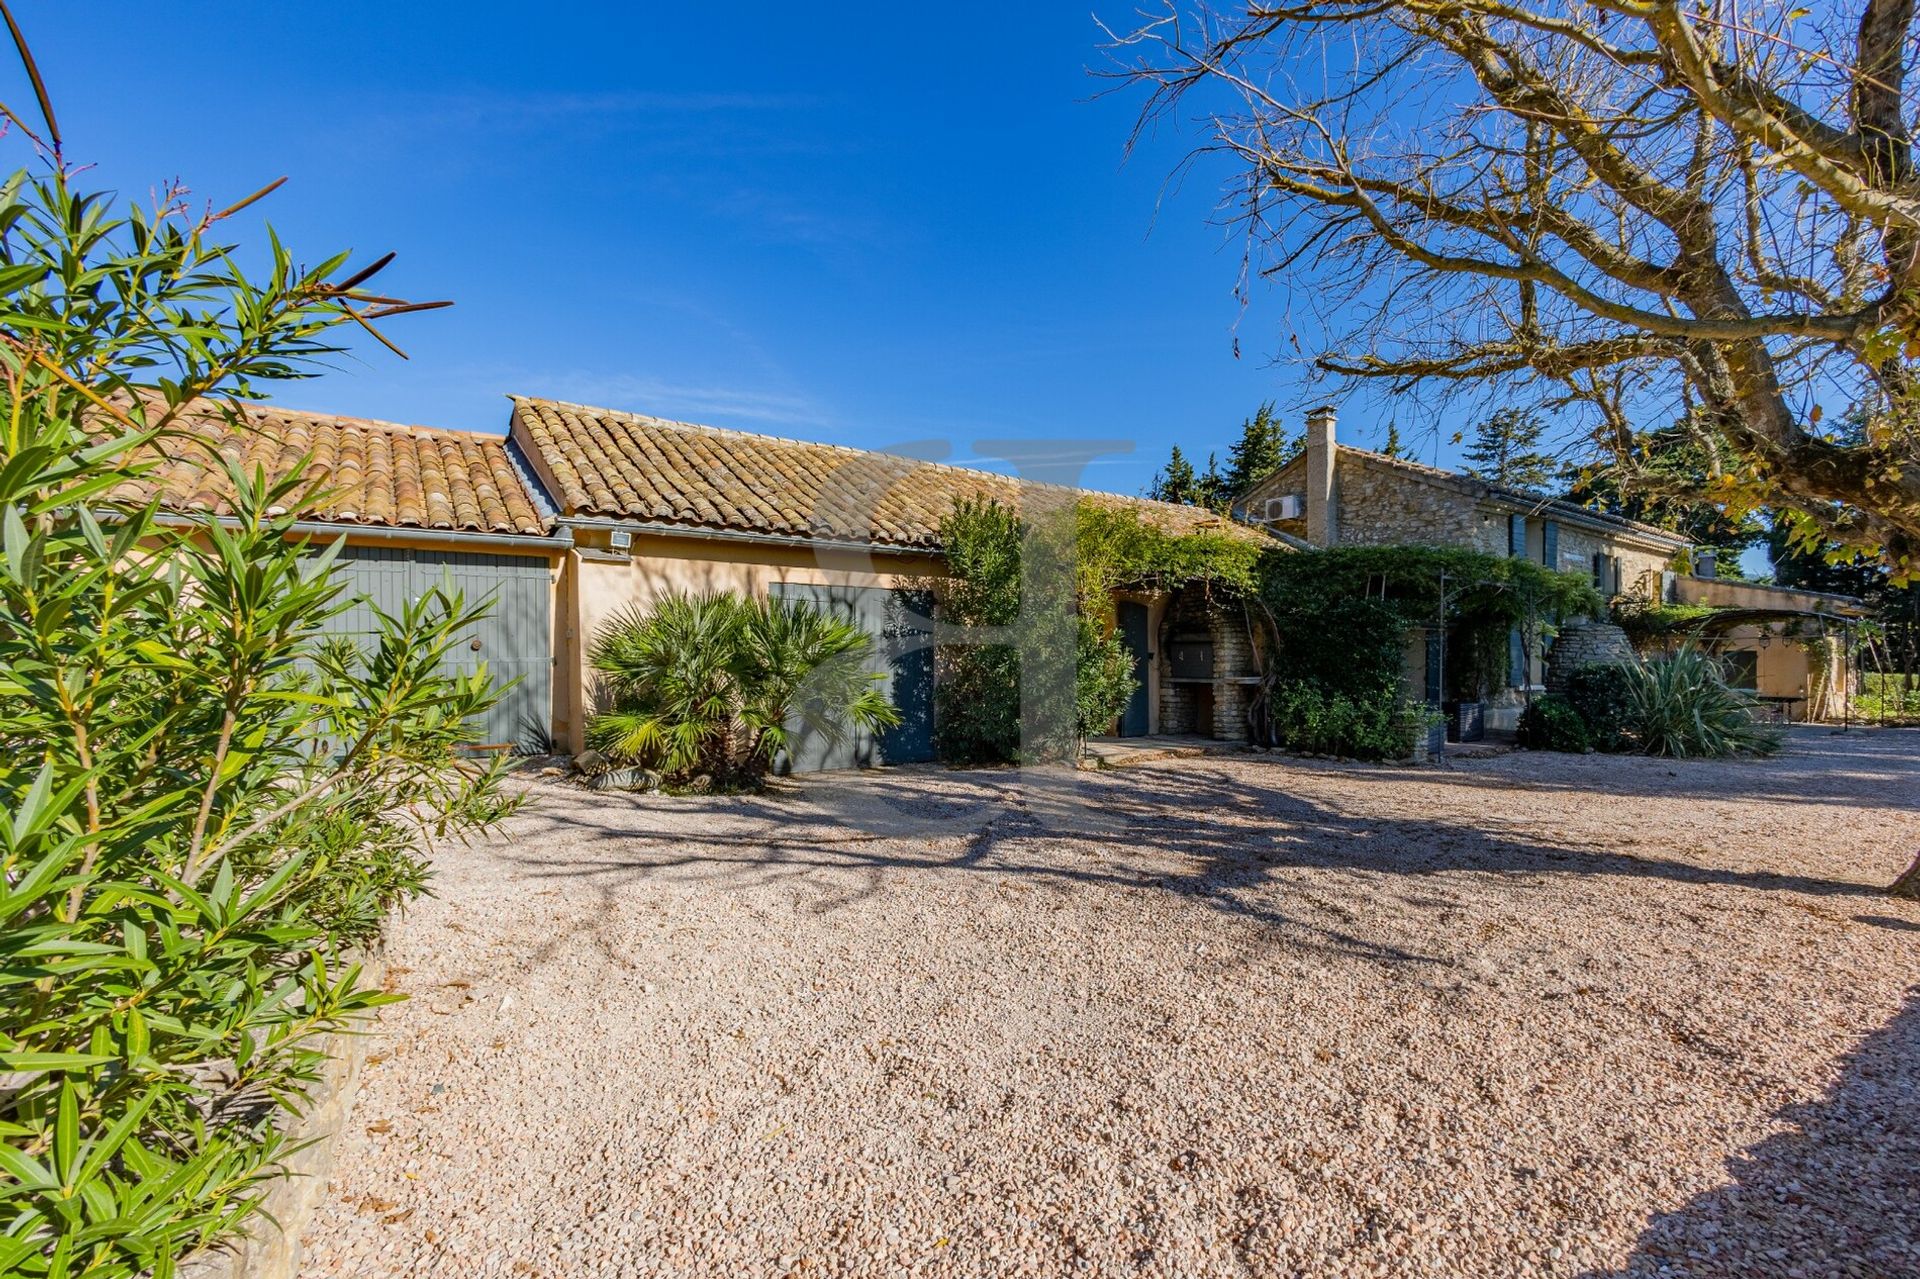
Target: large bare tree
1632,206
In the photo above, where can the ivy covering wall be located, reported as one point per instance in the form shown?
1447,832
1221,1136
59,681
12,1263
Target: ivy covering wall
1028,604
1343,616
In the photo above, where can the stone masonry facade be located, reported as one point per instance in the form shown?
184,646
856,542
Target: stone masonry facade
1586,643
1380,503
1216,707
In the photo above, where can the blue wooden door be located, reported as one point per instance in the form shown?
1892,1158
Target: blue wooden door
898,621
1133,633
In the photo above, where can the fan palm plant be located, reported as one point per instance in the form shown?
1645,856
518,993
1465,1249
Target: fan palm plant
718,684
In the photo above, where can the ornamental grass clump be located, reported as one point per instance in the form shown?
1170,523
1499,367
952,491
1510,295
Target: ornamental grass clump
1681,706
718,686
204,805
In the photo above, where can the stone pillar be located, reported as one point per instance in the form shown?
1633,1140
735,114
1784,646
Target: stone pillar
1323,512
1232,660
1585,643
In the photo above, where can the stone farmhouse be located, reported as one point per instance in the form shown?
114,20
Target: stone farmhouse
1783,644
577,513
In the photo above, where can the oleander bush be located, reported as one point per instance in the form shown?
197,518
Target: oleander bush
203,805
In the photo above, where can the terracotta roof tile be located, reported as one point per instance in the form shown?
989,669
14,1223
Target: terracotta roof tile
360,471
606,464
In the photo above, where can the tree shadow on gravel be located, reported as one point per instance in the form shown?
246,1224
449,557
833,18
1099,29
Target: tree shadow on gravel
1877,768
1840,1194
1228,839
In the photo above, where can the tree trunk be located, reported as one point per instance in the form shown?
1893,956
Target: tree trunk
1908,885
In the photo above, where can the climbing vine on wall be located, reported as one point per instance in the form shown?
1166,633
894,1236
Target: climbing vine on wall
1343,615
1062,645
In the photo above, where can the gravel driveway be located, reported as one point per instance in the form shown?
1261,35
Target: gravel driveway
1228,1016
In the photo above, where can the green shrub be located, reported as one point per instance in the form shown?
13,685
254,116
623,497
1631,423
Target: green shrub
1683,707
205,805
1057,671
709,684
1341,615
1552,724
1306,717
1602,696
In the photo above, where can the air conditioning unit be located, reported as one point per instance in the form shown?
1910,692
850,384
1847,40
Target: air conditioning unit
620,540
1290,507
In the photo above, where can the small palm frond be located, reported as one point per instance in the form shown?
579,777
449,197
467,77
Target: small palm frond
697,678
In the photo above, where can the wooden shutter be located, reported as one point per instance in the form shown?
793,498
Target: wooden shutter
1517,535
1516,659
1550,544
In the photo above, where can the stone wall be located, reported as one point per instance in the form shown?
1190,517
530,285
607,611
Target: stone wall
1586,643
270,1248
1640,569
1379,503
1217,707
1381,506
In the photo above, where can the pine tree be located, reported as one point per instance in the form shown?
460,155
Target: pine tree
1177,483
1212,490
1505,451
1393,448
1263,448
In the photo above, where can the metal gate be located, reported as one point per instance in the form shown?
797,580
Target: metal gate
902,651
514,639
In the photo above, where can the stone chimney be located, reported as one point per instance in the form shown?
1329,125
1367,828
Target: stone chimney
1323,513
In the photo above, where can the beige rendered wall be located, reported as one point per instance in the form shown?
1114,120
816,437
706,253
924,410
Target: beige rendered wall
1789,666
599,584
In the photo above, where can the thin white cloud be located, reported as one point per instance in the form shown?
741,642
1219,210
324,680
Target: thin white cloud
691,402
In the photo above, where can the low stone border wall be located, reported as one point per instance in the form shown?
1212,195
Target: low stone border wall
270,1248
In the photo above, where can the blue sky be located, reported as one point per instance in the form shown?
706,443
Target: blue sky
873,225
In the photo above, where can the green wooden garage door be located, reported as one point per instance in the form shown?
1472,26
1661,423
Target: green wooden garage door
897,622
514,639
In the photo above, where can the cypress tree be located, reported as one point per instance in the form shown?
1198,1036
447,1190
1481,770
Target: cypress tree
1262,449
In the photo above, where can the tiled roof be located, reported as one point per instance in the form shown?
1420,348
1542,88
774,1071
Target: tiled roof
600,463
360,472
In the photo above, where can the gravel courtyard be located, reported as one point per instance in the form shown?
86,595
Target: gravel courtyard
1239,1016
